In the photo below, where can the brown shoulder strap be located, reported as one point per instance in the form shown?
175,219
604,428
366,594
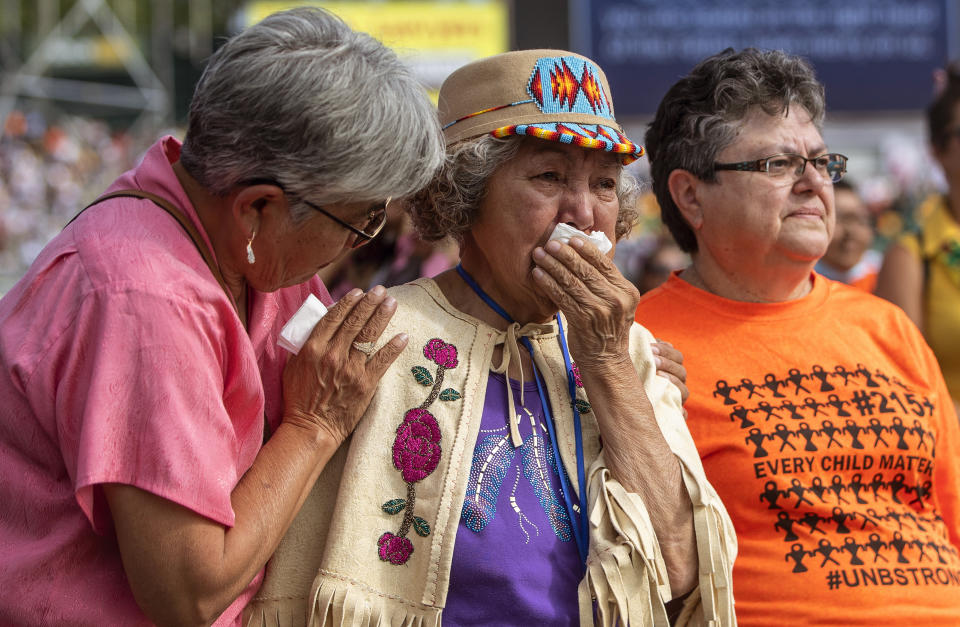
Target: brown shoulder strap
194,234
185,222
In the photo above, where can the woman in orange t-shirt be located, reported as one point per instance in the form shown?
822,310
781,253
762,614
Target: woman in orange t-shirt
820,414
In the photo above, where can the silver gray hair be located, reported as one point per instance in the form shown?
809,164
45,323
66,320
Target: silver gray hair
329,114
448,205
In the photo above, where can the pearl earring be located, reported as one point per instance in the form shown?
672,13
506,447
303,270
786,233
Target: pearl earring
251,258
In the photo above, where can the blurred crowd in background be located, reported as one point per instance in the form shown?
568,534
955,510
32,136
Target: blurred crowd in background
51,168
56,157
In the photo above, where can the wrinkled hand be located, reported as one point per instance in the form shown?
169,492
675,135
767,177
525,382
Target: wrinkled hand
595,298
329,383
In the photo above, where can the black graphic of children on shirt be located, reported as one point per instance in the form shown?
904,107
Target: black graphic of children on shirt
813,513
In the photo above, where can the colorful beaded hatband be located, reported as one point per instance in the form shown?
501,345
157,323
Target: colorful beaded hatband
549,94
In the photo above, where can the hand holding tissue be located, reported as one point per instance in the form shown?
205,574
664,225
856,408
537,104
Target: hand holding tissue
563,232
296,331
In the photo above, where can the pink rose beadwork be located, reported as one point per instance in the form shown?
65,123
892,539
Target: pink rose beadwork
416,452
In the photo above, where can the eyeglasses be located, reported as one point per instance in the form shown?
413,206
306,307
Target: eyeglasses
376,219
376,215
832,165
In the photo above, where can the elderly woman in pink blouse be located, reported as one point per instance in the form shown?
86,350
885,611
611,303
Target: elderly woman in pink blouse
140,368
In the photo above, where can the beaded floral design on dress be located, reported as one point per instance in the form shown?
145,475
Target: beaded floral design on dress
416,451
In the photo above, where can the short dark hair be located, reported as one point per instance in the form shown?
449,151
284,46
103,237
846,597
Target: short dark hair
700,115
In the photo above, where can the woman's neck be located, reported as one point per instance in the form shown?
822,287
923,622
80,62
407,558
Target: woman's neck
212,212
521,302
463,298
775,288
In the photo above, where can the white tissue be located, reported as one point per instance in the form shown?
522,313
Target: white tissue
564,232
296,331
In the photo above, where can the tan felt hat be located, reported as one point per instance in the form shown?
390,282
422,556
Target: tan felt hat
550,94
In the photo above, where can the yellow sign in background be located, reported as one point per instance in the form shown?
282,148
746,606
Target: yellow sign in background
434,38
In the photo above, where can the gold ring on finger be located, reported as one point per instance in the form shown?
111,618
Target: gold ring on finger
365,347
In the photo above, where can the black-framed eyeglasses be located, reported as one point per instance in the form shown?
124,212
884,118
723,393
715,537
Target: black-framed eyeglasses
376,220
832,165
376,215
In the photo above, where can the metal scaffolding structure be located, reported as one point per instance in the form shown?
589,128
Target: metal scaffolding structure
145,55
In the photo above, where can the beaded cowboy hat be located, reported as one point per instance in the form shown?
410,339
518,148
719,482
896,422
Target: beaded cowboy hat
549,94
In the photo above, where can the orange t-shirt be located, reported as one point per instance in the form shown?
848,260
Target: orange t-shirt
826,427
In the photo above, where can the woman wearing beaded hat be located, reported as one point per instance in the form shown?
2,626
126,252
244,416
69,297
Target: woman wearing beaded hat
521,462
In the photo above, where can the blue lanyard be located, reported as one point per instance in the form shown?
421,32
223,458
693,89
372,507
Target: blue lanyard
578,523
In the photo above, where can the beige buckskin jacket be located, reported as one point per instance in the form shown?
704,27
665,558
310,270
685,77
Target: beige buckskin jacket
373,543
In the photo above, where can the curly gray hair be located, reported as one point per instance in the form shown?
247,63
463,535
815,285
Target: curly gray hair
448,205
700,116
327,113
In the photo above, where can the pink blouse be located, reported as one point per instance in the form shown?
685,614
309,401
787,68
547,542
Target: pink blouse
123,361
